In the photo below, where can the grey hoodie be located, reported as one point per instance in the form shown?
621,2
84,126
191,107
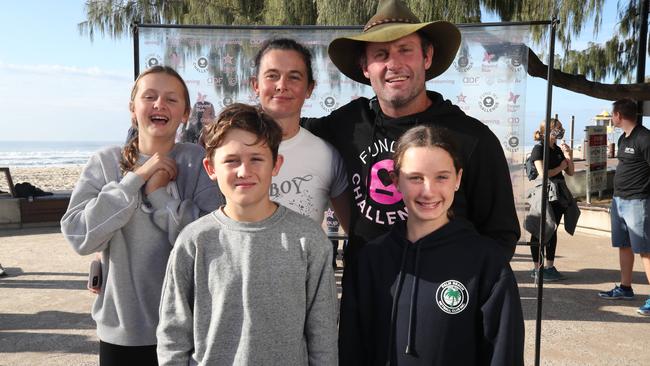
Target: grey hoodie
109,213
258,293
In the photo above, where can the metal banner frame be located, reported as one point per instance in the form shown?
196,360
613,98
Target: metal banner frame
475,79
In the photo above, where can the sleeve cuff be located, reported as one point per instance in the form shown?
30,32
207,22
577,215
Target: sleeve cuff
132,182
159,198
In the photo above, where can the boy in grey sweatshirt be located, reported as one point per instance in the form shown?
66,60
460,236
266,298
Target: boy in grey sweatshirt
251,283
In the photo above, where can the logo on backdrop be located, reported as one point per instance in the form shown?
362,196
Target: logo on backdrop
489,62
461,99
226,101
152,60
215,80
513,106
227,59
328,102
452,297
512,144
488,102
463,63
201,64
516,61
471,80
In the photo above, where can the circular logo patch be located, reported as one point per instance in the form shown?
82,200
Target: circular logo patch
452,297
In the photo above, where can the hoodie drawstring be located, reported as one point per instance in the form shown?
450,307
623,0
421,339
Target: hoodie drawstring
374,105
410,343
393,311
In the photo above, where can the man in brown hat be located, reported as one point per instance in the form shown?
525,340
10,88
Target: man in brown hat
396,54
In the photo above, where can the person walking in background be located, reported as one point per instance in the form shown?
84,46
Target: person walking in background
560,163
250,283
630,211
130,203
432,291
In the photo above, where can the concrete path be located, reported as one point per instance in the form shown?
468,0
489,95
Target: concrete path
44,306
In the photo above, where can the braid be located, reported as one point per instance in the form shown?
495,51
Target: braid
130,154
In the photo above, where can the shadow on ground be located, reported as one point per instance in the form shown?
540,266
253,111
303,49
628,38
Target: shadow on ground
48,343
31,231
16,278
563,301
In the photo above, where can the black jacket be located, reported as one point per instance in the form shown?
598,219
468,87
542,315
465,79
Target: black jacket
457,302
365,138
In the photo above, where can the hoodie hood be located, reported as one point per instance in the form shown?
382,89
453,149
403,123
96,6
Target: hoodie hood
456,229
440,111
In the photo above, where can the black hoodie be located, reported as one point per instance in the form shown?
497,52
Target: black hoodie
457,302
365,138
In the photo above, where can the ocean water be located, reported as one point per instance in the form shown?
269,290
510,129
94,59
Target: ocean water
48,153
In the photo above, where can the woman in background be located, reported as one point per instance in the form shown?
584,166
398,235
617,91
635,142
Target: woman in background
560,163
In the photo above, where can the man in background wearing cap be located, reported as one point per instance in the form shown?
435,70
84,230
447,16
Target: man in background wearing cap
396,54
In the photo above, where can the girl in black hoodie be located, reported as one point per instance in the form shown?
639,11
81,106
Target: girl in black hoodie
432,291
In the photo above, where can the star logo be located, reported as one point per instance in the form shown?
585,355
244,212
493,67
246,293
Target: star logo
461,98
329,213
513,98
227,59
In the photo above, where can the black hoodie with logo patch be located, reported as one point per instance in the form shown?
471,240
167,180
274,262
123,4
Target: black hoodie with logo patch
365,138
448,299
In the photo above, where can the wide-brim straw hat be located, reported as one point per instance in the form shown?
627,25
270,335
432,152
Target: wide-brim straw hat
392,21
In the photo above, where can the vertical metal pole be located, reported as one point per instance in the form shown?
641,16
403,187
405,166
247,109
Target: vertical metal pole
643,39
542,219
136,50
573,124
588,168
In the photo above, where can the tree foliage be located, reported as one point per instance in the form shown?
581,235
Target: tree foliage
615,58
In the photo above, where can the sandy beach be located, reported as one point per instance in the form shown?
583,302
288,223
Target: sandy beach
50,179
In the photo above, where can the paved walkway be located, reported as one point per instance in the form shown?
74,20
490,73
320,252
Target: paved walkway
44,307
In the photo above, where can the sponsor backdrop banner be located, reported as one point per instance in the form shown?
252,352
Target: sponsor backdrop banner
487,79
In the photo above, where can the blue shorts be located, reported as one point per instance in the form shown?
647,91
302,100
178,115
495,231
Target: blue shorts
630,224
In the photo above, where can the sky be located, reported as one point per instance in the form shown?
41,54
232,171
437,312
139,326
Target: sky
57,85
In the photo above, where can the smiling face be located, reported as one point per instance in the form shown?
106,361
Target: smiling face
158,106
396,71
243,170
282,83
427,180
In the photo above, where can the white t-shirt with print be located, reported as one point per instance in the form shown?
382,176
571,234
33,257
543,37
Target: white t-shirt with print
312,173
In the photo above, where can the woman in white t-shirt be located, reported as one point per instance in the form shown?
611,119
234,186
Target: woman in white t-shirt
313,172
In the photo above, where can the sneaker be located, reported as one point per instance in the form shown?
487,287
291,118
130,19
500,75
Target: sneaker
645,309
551,275
617,293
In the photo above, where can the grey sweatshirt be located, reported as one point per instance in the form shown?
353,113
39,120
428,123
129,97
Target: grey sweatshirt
135,233
249,294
